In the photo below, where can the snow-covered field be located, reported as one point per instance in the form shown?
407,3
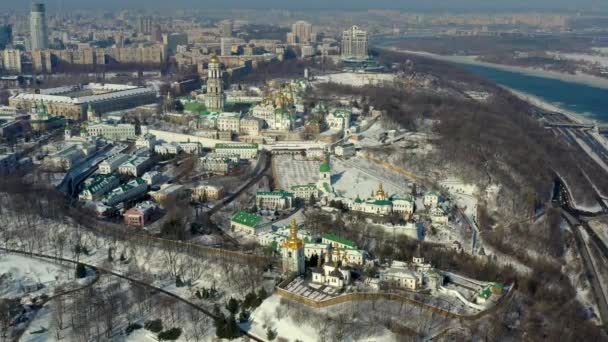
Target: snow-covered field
154,263
358,177
294,170
269,314
21,271
286,327
356,79
599,59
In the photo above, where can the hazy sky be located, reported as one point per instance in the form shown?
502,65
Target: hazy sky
414,5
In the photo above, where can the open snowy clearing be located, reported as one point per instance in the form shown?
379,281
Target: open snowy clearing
357,79
358,177
294,170
22,271
289,329
285,326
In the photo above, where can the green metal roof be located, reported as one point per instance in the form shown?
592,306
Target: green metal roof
307,186
247,219
381,202
325,168
274,193
340,240
341,113
99,182
485,293
196,107
242,146
403,198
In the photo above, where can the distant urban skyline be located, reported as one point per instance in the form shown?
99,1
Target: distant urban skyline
413,5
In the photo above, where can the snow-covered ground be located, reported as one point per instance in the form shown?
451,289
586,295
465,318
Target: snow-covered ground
595,208
267,315
295,170
22,271
358,177
600,227
577,78
463,194
540,103
599,262
356,79
573,268
285,326
599,59
591,153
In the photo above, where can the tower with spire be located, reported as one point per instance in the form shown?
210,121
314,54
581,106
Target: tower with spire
293,252
91,114
324,184
215,100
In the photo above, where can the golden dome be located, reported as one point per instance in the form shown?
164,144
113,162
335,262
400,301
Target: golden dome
293,242
381,193
214,59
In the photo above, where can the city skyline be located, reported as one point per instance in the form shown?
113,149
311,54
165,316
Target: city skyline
325,170
412,5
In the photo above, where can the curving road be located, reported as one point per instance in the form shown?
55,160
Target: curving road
132,280
261,168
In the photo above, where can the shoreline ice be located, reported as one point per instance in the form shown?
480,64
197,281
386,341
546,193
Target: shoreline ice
579,78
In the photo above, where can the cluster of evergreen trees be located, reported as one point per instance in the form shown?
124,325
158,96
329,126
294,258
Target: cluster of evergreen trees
226,326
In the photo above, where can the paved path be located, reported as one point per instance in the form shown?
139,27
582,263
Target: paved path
132,280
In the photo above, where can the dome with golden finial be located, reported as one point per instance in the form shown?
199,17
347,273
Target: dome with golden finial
381,194
293,242
214,59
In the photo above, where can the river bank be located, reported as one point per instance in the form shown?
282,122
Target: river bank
542,104
588,80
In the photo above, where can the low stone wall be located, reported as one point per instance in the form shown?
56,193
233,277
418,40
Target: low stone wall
363,296
375,296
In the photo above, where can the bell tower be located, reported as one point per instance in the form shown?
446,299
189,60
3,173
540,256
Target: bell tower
293,252
216,98
324,184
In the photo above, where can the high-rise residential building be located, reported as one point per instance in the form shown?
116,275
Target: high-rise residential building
171,41
145,25
291,38
215,98
226,28
6,36
301,32
157,34
39,38
11,60
354,43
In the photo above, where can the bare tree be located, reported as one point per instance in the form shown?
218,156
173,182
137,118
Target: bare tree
58,318
5,318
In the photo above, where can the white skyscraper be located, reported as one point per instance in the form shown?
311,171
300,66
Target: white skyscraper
354,43
38,28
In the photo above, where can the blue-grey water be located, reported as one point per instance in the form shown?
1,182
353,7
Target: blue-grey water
580,98
585,99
